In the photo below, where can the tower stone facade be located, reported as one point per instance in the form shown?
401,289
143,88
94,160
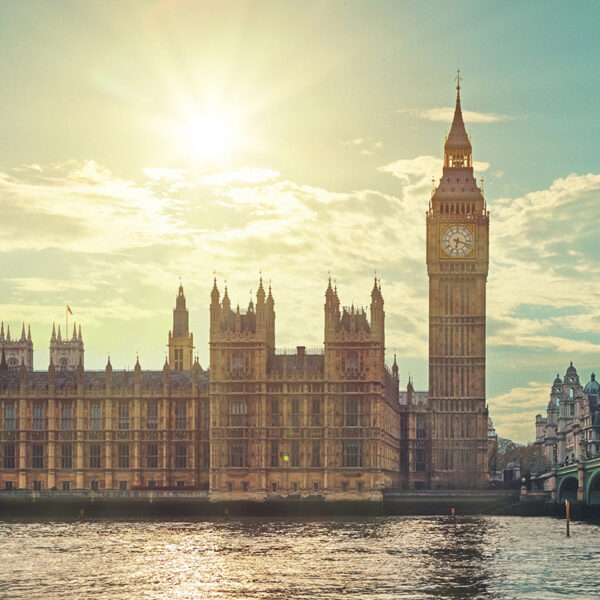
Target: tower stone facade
321,423
16,352
457,264
181,341
67,354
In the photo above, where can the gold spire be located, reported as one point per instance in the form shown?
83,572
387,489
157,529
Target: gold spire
457,148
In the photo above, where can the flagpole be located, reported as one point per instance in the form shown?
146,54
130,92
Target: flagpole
67,322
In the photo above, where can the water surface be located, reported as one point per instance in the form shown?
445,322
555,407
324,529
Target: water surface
376,558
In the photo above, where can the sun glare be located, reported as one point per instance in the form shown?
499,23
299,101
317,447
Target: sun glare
208,136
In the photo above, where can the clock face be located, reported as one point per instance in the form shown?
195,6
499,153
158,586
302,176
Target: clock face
457,241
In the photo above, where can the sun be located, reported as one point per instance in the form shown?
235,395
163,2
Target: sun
208,136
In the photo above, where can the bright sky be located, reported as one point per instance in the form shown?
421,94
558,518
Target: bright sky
162,139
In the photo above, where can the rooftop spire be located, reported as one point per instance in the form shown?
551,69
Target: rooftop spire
457,149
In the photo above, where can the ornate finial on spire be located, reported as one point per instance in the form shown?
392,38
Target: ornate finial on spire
458,79
29,332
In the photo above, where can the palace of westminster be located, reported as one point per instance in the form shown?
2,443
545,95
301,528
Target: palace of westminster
260,423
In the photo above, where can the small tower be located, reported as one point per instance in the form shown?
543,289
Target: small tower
181,341
241,342
17,351
66,354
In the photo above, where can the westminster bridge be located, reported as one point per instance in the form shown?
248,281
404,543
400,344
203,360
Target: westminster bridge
576,482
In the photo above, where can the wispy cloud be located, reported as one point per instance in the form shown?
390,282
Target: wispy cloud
114,248
445,114
364,146
514,411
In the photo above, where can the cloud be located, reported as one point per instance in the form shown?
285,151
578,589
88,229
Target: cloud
365,146
245,175
445,114
113,249
513,412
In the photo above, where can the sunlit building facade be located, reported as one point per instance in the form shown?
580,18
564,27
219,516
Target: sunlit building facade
261,423
570,431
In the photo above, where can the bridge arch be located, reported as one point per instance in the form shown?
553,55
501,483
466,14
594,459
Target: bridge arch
567,489
593,489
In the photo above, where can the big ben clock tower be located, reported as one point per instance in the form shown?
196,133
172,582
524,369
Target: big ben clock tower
457,264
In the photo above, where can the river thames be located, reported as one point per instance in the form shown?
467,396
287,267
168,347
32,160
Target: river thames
377,558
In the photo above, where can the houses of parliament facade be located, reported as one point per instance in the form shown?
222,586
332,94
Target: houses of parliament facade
259,423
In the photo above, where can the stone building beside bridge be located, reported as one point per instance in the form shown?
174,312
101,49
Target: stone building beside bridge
568,439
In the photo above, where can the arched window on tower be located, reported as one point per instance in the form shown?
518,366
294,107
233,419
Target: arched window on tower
352,363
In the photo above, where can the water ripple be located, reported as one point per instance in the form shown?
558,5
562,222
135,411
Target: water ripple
372,558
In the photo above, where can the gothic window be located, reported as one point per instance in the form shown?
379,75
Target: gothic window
274,412
295,454
295,413
66,456
152,456
316,454
94,455
316,412
9,456
238,453
351,412
38,417
66,418
152,415
238,413
205,455
123,415
274,453
95,416
180,415
420,428
238,363
123,456
180,456
37,456
205,408
9,416
179,359
420,460
352,363
352,454
12,364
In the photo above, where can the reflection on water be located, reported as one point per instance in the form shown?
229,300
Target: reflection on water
375,558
